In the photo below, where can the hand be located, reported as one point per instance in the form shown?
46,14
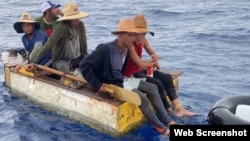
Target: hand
60,12
17,68
102,88
157,66
154,58
29,67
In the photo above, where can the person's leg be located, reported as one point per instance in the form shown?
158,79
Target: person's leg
36,49
149,113
162,92
152,93
167,81
159,85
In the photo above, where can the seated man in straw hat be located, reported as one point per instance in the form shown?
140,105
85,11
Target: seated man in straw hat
33,38
135,67
68,41
104,66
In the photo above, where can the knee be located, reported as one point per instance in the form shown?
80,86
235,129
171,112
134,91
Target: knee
144,99
168,77
38,45
158,83
153,89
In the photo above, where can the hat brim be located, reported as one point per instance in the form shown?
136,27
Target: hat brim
143,30
127,31
56,6
74,17
18,25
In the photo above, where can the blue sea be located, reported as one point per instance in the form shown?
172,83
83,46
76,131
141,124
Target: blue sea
207,39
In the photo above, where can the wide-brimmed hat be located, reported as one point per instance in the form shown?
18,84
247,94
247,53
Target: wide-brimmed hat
141,24
125,25
48,5
25,18
71,12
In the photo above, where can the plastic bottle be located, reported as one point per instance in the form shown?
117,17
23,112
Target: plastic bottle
150,71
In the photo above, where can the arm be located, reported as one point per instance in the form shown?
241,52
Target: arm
148,48
89,64
150,51
138,61
84,38
52,41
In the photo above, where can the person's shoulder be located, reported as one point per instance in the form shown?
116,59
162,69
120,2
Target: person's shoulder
41,33
102,46
24,37
39,19
61,25
105,47
81,25
108,44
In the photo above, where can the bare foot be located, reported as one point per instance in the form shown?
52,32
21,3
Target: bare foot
170,111
181,112
165,132
171,123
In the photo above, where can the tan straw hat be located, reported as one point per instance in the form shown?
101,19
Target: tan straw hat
71,12
141,24
25,18
125,25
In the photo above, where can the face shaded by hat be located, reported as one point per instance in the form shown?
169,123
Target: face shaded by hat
25,18
71,12
141,24
125,25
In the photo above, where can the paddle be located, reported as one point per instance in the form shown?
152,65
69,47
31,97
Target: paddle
117,92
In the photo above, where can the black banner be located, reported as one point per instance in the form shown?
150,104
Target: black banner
198,132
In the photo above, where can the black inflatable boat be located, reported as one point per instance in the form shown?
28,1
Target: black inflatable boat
223,111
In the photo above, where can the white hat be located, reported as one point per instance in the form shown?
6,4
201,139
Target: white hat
47,5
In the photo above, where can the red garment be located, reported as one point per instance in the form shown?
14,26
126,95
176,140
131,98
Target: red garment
131,67
48,32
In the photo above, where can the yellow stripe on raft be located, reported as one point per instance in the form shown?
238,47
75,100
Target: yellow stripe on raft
23,71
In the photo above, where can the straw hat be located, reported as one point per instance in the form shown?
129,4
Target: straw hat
125,25
141,24
25,18
71,12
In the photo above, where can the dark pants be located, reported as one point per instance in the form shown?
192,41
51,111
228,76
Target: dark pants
152,95
164,83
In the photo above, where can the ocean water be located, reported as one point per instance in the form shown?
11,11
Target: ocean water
207,39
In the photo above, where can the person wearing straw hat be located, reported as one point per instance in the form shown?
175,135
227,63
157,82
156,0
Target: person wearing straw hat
50,12
33,38
104,66
68,41
135,67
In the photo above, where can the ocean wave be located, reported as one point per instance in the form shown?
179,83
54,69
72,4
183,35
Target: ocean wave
221,37
160,12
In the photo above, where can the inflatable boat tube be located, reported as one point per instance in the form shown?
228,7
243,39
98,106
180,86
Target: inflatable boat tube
223,111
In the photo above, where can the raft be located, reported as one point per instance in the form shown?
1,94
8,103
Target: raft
101,112
223,112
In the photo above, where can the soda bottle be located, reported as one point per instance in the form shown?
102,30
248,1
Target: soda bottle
150,71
